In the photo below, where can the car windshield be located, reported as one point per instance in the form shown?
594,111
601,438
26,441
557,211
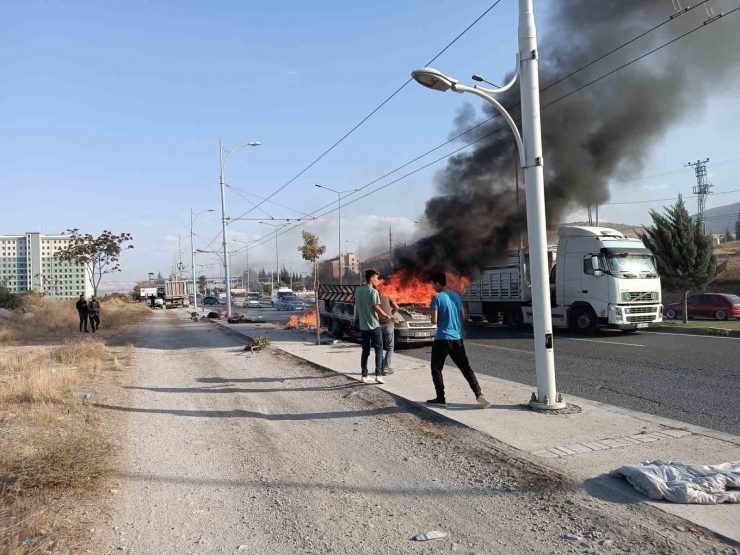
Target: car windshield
290,299
632,265
254,296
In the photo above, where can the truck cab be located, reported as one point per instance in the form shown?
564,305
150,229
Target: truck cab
606,280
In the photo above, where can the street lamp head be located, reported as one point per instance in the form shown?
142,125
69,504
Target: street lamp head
210,210
319,185
433,79
254,143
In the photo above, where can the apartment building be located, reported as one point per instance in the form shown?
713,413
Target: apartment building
30,262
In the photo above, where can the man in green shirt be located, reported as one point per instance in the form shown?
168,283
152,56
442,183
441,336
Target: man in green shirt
367,307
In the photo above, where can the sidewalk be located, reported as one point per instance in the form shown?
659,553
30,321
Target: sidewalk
585,445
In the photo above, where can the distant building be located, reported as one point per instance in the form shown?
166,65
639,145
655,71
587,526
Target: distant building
350,264
30,262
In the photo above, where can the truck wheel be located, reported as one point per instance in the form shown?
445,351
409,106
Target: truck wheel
513,317
583,321
336,329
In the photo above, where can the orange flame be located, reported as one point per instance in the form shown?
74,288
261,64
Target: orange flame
405,290
306,319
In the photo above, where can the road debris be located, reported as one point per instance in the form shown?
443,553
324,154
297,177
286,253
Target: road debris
426,536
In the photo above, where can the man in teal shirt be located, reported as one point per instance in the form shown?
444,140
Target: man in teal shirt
448,314
367,307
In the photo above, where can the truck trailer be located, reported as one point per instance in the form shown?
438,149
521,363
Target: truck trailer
598,279
413,324
176,293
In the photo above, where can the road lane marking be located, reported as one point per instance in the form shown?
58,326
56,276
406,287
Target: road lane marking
592,340
500,348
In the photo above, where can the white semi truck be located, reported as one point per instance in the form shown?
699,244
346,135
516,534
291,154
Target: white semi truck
598,279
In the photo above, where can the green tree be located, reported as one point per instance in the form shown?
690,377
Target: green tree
311,251
8,299
202,284
728,237
136,293
683,252
99,255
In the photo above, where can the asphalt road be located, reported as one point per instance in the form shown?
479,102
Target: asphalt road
694,379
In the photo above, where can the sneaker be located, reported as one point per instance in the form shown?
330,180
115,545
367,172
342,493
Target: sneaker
379,379
483,402
367,379
441,403
387,372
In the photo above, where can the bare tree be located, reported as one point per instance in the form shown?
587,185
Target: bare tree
99,255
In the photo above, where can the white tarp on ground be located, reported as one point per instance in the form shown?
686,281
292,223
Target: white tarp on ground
684,483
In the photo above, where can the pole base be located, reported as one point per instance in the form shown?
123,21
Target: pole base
534,404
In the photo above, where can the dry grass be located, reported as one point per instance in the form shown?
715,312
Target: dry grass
55,452
56,319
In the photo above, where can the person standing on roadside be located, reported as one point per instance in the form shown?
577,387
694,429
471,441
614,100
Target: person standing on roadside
448,314
387,328
82,312
93,313
368,310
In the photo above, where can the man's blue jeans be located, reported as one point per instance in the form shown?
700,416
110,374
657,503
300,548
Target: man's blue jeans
372,338
389,331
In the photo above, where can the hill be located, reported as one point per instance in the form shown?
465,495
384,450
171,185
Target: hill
722,218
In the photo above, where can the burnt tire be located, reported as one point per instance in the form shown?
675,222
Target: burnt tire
337,330
583,321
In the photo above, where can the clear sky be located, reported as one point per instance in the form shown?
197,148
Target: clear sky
111,115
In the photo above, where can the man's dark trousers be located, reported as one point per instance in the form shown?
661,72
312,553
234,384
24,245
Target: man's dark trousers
374,339
456,349
83,319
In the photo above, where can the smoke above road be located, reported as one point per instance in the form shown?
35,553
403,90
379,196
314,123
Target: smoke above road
605,131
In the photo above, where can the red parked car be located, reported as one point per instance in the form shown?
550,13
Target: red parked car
707,305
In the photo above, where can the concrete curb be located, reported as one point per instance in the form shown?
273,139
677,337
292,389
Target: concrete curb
696,331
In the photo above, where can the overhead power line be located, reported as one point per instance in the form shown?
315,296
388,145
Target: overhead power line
374,111
553,102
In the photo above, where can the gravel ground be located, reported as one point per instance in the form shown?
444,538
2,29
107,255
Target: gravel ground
227,452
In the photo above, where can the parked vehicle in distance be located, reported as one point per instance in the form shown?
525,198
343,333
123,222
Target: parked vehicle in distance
309,299
280,292
222,297
719,306
289,302
209,301
159,302
253,300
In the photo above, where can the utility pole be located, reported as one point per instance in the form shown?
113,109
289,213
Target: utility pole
702,189
390,242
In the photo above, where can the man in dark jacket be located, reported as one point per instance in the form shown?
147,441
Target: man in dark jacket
93,312
82,312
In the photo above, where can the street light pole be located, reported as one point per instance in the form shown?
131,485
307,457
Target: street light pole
534,182
194,215
222,166
277,262
339,205
530,158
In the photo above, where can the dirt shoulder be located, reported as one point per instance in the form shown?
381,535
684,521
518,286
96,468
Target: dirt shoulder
233,452
58,449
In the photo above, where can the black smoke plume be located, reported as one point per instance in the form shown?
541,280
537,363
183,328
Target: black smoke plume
605,131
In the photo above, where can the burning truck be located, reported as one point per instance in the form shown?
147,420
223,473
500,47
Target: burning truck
413,323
